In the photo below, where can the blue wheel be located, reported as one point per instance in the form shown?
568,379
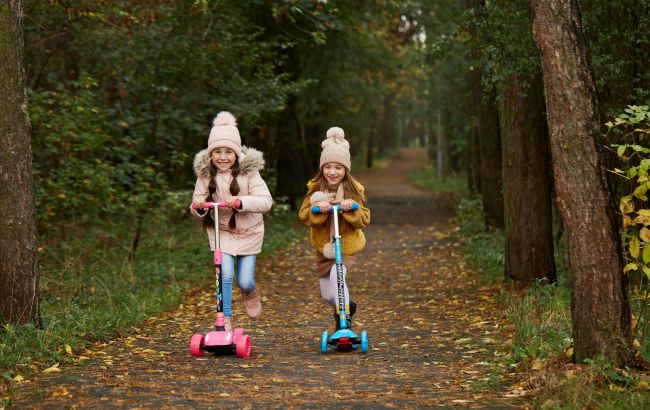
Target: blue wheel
323,342
364,342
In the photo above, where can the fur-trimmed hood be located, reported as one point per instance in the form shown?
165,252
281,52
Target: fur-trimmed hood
250,161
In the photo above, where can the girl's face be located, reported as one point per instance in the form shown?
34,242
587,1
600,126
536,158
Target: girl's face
223,158
333,173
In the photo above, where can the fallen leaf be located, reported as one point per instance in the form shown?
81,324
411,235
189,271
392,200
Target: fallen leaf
19,378
53,369
61,391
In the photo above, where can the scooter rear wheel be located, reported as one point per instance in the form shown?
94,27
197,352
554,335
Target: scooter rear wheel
195,345
243,346
324,342
364,342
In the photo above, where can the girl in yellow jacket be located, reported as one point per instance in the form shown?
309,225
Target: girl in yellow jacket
333,184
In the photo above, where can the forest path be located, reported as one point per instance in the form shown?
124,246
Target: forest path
432,328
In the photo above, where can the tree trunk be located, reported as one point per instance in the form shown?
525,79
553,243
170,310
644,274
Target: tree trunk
388,132
490,152
600,308
473,162
19,274
484,145
369,151
526,184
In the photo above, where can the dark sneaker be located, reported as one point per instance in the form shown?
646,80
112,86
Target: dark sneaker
353,309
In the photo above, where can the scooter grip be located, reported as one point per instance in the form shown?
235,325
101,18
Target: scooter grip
316,209
210,205
206,205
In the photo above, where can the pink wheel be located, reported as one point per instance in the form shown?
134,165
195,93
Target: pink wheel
237,333
243,346
195,345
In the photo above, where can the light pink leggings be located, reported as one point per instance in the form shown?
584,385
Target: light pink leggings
329,290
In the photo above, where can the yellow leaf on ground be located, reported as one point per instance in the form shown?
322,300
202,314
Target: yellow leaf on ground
53,369
19,378
537,364
61,391
463,340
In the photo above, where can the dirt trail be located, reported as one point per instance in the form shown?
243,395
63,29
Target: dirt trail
432,328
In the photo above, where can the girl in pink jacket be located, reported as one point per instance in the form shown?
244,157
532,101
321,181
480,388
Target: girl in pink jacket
226,171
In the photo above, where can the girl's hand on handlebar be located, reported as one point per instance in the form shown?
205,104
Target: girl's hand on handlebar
324,206
232,203
198,204
347,204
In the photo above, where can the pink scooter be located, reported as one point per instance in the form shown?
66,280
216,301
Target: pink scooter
220,341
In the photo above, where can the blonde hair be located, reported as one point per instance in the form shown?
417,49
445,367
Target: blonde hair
350,186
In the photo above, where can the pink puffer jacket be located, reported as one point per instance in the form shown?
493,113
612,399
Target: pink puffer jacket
248,235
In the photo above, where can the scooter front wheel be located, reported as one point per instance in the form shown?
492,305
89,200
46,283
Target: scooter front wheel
364,342
243,346
324,341
195,345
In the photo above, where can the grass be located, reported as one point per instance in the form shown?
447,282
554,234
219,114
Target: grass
427,178
539,353
91,292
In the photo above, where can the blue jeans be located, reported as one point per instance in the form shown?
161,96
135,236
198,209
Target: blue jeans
245,277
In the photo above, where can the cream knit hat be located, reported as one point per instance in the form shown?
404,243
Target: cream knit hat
336,148
224,133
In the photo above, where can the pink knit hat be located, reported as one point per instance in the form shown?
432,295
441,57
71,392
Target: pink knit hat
335,148
224,133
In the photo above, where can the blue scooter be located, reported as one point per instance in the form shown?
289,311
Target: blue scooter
344,339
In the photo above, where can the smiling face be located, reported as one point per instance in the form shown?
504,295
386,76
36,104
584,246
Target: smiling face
223,158
333,173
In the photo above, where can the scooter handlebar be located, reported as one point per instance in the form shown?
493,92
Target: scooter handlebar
222,204
316,209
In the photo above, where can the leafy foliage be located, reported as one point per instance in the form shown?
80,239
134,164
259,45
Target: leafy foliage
619,42
632,128
83,167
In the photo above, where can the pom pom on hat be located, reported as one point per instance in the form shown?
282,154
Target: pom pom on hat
224,133
335,135
224,118
336,148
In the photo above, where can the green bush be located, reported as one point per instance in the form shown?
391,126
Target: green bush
85,167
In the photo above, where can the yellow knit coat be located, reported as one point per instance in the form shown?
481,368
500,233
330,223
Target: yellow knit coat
350,225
